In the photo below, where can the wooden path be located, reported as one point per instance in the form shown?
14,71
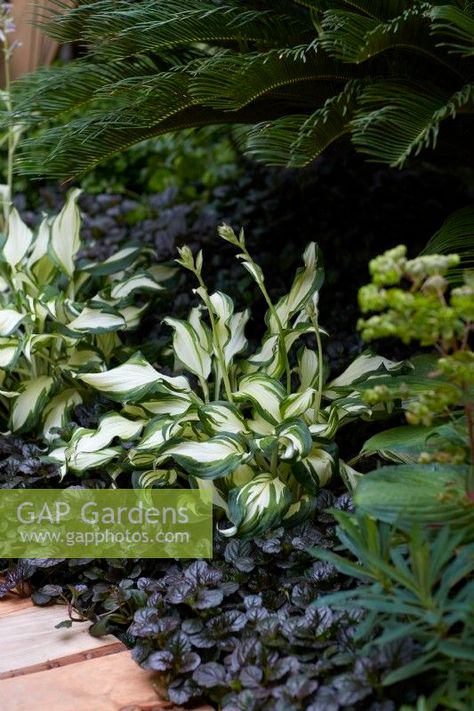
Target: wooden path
48,669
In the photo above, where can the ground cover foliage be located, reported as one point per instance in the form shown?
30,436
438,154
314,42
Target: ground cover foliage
335,666
307,604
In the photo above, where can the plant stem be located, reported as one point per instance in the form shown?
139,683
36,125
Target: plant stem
205,389
9,107
281,332
469,410
319,345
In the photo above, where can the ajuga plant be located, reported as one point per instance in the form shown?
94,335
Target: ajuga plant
416,589
257,430
411,299
59,318
296,75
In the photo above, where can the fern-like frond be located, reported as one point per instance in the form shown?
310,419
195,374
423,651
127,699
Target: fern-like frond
123,28
356,38
456,235
297,140
456,26
397,120
232,81
53,90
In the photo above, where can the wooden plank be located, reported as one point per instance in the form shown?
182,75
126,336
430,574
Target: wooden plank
29,637
64,661
113,683
13,604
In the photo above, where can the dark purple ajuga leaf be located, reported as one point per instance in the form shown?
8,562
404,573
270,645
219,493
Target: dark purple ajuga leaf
210,675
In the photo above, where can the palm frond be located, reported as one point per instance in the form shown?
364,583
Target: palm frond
356,38
397,120
53,90
456,26
230,81
297,140
121,29
456,235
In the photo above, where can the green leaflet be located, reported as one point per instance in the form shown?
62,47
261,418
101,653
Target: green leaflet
399,444
257,506
215,457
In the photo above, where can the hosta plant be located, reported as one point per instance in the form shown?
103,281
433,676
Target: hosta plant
411,299
258,430
59,317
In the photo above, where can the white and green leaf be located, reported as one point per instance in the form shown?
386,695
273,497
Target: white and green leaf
257,506
30,403
188,348
266,395
212,458
65,241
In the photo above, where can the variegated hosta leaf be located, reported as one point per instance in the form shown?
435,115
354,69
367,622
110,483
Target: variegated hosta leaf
294,440
161,272
266,395
26,409
300,511
65,241
83,358
130,381
156,434
114,264
297,404
9,351
96,320
308,280
168,404
308,368
315,470
210,459
366,364
139,282
349,475
189,348
230,326
110,426
269,358
154,479
56,412
18,240
326,424
257,506
10,319
221,417
40,245
83,461
132,315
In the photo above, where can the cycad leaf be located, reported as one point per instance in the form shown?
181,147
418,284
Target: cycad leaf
456,235
398,120
298,139
456,27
